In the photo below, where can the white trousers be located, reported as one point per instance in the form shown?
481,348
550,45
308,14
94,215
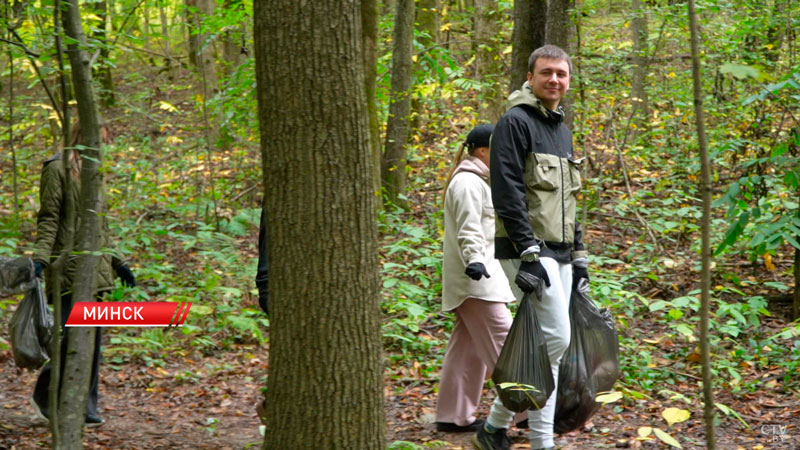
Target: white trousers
553,315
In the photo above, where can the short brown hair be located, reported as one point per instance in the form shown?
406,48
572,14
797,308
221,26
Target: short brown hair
549,52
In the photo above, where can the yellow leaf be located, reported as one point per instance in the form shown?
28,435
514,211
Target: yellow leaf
671,74
166,106
768,262
666,438
644,431
675,415
608,397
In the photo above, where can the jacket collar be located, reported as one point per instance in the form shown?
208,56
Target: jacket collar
524,96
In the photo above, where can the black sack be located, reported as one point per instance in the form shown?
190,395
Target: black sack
17,275
524,363
590,364
31,329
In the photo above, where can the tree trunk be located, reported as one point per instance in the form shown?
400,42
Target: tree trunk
487,60
201,54
530,19
369,29
231,42
705,190
103,68
325,388
11,128
397,125
561,32
75,384
639,58
162,14
427,15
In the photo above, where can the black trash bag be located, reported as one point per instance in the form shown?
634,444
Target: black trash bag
590,364
31,329
17,275
522,374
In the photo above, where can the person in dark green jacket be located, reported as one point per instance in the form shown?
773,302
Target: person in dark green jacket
52,231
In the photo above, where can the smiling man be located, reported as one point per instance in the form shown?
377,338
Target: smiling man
538,241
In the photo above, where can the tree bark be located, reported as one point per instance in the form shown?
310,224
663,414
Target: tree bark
561,32
487,60
639,58
231,42
107,97
325,388
369,30
427,15
397,125
75,384
705,190
530,19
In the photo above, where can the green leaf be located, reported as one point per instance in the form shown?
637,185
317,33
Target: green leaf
666,438
740,71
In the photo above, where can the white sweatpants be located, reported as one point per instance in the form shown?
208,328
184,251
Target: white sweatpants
553,315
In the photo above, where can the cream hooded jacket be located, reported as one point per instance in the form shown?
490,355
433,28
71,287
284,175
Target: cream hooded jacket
469,237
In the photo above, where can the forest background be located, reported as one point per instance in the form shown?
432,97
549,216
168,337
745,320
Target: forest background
176,86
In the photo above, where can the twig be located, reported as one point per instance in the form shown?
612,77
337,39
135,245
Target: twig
245,192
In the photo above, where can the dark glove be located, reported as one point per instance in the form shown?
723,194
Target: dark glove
126,276
38,267
263,298
477,270
577,274
530,277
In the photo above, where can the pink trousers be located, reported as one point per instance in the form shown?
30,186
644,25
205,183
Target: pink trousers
478,335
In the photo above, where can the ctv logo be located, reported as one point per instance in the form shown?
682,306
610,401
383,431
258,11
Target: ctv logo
128,314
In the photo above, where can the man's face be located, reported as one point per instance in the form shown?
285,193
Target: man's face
549,80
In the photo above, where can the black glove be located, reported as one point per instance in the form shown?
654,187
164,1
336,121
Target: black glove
126,276
577,274
263,298
530,277
477,270
38,267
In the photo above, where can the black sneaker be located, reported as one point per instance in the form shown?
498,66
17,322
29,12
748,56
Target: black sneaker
93,420
483,440
449,427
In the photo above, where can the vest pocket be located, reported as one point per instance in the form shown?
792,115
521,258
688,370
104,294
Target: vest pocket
543,172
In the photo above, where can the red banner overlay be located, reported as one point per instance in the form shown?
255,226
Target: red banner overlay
128,314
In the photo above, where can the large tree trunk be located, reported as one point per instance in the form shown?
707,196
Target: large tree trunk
397,125
561,32
487,60
369,30
705,191
325,388
639,83
75,384
530,19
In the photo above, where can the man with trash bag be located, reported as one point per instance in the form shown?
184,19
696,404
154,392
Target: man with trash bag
535,180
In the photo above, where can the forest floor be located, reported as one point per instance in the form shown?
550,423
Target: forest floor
209,403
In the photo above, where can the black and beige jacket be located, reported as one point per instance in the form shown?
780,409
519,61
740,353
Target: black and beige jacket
535,181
